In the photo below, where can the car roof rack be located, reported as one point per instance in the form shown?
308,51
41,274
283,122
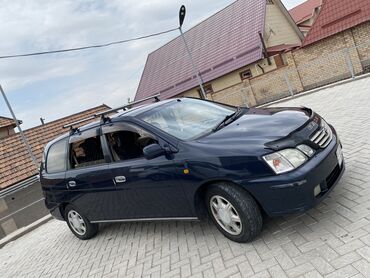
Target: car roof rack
104,113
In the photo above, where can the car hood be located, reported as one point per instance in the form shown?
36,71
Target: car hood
259,127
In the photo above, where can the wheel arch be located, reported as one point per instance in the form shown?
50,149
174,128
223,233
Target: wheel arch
199,196
62,208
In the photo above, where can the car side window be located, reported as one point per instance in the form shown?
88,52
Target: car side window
56,157
86,152
127,141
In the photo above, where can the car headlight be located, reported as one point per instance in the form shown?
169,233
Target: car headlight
285,160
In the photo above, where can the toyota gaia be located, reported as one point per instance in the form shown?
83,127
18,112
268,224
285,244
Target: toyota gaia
184,159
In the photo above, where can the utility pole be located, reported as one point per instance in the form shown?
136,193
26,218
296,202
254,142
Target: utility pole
24,139
182,14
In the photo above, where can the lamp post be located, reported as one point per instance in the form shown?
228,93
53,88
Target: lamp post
24,139
182,14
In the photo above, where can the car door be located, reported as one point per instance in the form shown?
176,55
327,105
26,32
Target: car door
88,176
145,188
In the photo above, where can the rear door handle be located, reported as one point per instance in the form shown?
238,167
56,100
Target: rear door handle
120,179
71,183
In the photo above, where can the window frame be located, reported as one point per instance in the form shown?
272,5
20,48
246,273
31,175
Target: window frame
244,71
83,135
124,123
66,139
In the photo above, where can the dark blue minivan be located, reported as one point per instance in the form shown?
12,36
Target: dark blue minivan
184,159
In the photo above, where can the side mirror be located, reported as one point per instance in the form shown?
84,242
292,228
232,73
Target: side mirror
153,151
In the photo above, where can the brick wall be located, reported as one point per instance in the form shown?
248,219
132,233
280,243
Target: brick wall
361,38
235,95
319,64
326,61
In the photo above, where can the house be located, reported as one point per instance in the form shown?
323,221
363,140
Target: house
305,14
336,17
19,183
337,46
7,126
242,41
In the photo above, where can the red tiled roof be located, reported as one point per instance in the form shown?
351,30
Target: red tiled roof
337,16
305,10
4,122
15,163
222,43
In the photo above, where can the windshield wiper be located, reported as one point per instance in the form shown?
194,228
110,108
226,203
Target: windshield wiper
228,119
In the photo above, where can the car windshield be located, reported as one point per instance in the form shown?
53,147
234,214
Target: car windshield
187,118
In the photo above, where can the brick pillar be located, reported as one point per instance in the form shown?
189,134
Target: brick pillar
351,45
294,75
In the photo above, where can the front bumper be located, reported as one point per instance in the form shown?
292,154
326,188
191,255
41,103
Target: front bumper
294,192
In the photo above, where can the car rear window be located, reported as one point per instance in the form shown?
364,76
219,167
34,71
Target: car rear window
56,158
86,152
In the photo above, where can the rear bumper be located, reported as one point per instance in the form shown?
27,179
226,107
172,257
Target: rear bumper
54,210
294,192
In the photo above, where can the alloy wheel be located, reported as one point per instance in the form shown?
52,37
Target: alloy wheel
226,215
76,222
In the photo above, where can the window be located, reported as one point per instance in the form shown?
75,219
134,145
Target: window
187,119
127,141
56,158
270,2
207,88
246,74
86,152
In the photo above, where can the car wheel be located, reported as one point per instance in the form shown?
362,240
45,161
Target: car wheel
234,211
79,224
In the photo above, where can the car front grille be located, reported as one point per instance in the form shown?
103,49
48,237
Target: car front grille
323,136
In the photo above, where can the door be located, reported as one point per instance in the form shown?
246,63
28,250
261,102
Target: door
145,188
88,177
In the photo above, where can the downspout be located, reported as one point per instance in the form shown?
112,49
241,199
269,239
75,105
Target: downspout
264,49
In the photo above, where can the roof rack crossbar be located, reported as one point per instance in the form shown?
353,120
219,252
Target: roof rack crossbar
102,114
156,97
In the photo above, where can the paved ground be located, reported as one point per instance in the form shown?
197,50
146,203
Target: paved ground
332,240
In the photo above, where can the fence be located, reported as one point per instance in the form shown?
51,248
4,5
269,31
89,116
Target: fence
291,79
21,206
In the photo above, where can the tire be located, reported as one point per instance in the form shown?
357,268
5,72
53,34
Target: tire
242,207
74,217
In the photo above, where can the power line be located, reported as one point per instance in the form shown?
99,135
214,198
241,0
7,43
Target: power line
87,47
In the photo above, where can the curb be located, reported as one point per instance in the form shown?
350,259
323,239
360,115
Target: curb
315,90
24,230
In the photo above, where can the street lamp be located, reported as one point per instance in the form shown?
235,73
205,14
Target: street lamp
23,137
182,14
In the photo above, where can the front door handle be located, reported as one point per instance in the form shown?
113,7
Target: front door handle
71,183
120,179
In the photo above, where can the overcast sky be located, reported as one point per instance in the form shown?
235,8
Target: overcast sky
57,85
